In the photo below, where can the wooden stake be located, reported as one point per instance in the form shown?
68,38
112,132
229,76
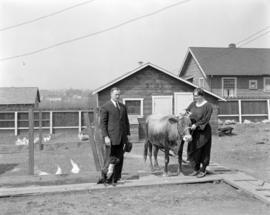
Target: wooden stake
98,138
31,141
92,141
41,146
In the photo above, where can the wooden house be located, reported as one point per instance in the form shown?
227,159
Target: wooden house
241,75
150,89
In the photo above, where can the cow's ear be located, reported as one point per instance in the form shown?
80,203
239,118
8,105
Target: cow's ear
173,120
180,116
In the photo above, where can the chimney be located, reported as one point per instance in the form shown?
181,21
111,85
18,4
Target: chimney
232,45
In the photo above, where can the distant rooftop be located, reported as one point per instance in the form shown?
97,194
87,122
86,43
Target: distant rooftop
19,95
231,60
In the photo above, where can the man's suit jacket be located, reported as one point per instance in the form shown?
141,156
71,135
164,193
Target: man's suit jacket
114,123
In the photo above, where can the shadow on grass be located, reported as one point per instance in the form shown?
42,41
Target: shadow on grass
7,167
172,169
232,134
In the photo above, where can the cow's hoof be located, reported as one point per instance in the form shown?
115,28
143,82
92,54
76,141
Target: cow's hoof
157,169
179,173
156,166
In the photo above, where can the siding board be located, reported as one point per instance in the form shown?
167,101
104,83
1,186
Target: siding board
150,82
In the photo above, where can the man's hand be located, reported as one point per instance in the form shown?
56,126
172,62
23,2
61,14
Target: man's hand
193,127
107,141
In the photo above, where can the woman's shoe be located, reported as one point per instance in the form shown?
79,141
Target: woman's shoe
201,174
194,173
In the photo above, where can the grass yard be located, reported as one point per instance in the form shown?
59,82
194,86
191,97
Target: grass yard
248,149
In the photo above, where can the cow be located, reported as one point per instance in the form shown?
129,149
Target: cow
166,132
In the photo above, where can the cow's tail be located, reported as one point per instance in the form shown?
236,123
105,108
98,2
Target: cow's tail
146,144
145,149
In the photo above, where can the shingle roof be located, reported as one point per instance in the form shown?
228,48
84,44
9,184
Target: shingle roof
156,67
232,61
19,95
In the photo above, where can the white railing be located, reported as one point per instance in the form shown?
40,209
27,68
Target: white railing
49,120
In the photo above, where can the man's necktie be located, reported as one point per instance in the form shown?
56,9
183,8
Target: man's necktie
117,105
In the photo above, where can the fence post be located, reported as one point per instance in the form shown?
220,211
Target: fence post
268,108
240,110
51,122
80,121
31,141
40,130
16,123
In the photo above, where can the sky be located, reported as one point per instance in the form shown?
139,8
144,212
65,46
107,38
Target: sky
104,39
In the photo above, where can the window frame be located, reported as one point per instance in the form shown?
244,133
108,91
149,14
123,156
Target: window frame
199,82
264,84
135,99
235,85
249,84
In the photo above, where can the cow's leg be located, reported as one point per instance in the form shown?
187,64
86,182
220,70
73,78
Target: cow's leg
150,155
167,159
180,153
156,166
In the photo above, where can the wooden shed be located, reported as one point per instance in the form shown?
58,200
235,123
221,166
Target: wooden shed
15,103
150,89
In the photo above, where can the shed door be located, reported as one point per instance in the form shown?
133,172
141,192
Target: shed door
181,101
162,105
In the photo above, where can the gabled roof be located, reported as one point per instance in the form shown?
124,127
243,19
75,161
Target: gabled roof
230,61
19,95
157,68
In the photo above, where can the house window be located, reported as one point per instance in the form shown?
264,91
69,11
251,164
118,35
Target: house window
266,84
201,82
229,87
134,106
252,84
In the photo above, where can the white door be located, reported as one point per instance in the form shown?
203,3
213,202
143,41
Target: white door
162,105
182,101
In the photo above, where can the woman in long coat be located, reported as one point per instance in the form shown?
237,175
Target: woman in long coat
199,148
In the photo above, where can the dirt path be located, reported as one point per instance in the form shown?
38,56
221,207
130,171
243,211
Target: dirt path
208,198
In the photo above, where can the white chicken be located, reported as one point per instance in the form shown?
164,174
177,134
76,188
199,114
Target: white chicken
58,171
75,168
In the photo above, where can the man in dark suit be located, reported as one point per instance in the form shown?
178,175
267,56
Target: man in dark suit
114,125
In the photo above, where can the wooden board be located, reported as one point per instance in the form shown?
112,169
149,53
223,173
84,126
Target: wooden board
92,141
149,180
246,183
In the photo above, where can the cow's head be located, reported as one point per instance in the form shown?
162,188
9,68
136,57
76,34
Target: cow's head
183,126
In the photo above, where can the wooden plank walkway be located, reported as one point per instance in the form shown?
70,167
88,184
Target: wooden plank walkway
149,180
249,184
253,186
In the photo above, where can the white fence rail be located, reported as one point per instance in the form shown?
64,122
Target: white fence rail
51,120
